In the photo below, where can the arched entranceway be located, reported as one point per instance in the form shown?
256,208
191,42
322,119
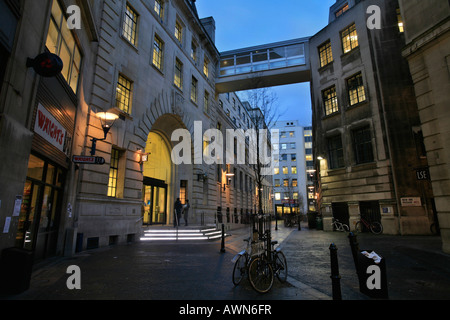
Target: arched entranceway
157,172
163,181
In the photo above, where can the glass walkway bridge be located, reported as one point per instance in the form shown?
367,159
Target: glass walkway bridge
262,66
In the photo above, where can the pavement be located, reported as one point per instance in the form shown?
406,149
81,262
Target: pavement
416,269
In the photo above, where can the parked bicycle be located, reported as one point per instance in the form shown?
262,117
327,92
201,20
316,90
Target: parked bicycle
263,268
374,226
241,263
260,263
339,226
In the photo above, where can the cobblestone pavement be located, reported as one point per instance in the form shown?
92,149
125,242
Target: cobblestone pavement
416,269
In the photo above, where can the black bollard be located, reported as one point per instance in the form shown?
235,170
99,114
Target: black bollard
299,226
354,247
222,249
335,277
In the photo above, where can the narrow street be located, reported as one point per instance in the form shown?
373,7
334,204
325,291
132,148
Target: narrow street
416,270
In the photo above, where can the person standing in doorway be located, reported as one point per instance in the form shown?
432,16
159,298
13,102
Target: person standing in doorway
177,217
186,212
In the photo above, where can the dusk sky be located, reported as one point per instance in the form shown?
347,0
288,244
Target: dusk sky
246,23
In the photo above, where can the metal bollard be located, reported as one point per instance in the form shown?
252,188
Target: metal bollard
222,249
299,226
335,277
354,247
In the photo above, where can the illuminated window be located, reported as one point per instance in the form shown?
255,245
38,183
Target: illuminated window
206,69
178,31
349,38
129,29
178,78
277,182
325,54
194,84
123,94
341,10
285,182
113,173
295,196
276,171
159,8
294,170
294,183
158,53
277,196
330,100
285,170
61,42
400,21
355,87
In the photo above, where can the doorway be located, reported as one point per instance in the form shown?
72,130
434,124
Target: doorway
340,212
157,173
40,211
155,201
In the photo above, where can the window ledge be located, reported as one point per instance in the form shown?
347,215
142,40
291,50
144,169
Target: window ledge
331,115
356,105
129,43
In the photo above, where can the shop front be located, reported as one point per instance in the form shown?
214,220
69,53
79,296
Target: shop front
41,208
43,202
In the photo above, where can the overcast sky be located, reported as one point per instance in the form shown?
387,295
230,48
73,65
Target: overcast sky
246,23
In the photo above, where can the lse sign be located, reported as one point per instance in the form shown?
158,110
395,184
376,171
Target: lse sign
423,174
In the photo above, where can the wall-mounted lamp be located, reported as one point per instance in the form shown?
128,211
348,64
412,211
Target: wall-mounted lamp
107,120
320,158
143,157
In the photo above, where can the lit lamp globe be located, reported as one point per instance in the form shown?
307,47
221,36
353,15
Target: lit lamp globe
107,120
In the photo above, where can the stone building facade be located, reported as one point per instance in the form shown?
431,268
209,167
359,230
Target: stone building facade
427,36
39,128
152,64
367,133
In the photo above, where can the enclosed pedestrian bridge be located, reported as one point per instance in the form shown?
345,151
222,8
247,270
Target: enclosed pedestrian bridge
266,65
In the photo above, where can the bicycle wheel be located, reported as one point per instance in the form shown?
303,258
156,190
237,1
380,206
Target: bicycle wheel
239,269
260,274
281,269
376,227
358,226
345,228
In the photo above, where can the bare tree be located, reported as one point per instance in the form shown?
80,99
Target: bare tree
262,105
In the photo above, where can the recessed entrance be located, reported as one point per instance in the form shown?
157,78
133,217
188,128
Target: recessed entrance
155,199
157,177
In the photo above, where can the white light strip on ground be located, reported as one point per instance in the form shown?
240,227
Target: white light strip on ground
179,238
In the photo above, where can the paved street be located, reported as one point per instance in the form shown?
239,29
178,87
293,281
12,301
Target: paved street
416,269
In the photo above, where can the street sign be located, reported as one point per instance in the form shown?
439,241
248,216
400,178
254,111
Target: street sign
88,160
422,174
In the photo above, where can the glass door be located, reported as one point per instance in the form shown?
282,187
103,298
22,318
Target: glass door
148,201
159,205
155,202
41,208
28,214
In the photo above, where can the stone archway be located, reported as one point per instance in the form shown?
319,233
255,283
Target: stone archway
157,123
